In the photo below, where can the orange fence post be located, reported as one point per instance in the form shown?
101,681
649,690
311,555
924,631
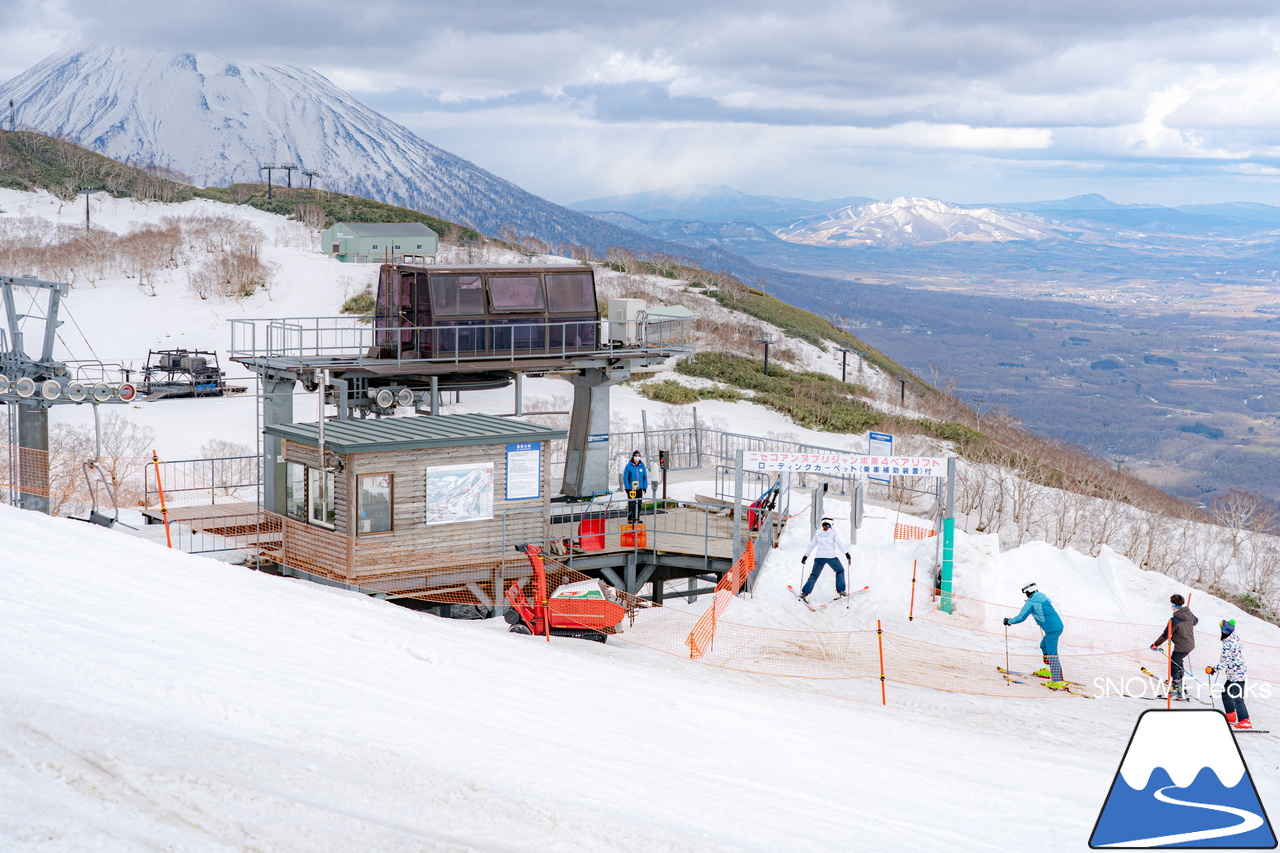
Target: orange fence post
880,643
911,612
1168,701
164,512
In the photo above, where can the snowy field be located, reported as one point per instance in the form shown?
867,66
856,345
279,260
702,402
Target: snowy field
152,700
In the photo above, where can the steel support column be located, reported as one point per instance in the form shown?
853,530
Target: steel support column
33,457
277,408
586,464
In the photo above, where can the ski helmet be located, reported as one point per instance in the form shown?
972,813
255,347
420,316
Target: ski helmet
826,522
1030,589
1227,626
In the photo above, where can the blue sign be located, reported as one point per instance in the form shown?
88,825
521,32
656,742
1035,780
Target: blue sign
524,470
879,444
599,436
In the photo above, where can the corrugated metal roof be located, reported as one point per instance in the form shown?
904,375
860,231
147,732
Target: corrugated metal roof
415,433
388,229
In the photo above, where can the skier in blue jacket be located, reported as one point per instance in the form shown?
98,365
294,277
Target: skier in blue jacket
1040,608
635,480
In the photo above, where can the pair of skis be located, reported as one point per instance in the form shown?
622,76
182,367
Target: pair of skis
816,607
1067,686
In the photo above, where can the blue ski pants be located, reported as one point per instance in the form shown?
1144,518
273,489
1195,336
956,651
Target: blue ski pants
1049,647
818,565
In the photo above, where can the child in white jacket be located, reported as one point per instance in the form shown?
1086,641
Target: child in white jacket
1231,665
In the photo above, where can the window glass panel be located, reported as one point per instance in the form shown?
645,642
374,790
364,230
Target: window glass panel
295,491
374,504
516,293
453,295
571,292
320,497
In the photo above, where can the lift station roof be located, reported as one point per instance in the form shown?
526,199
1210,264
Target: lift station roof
415,433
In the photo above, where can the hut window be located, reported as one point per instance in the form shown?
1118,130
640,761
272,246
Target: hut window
516,293
295,491
320,504
571,293
452,295
374,504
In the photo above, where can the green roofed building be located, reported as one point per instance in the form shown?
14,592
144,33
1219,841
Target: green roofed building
379,242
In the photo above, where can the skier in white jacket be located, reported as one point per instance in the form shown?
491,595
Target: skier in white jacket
826,546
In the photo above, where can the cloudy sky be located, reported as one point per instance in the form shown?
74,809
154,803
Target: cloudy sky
971,101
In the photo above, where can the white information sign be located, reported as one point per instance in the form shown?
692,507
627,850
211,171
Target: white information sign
824,463
879,444
524,470
459,492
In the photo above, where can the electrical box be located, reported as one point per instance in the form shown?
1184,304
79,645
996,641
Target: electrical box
626,319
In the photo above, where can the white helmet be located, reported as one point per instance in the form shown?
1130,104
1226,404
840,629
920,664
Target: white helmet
1030,589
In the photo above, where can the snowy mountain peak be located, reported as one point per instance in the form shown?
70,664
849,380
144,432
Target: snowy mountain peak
911,221
1183,744
219,122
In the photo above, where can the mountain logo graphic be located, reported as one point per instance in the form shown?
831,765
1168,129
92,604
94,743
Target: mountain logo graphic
1183,783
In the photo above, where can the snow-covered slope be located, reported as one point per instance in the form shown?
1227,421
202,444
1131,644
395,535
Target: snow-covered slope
218,122
154,700
912,221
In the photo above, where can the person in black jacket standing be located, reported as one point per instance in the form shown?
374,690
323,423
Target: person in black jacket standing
1181,630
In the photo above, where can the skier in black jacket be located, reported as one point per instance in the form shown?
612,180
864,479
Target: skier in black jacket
1182,623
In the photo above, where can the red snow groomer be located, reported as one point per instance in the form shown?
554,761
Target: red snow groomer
588,609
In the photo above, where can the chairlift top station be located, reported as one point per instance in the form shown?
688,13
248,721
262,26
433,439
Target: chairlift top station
460,327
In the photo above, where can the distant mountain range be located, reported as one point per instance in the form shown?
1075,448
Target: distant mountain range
218,122
706,203
906,223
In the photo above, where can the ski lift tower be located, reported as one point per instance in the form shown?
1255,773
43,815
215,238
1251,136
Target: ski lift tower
33,385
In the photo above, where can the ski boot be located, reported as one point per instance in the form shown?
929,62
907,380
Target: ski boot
1043,672
1243,725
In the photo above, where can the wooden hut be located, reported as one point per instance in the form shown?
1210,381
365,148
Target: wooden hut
410,504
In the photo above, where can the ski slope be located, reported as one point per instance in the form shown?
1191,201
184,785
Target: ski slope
157,700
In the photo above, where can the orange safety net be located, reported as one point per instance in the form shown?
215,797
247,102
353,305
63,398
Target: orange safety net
912,531
703,634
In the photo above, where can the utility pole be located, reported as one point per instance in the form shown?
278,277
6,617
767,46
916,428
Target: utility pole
289,169
87,191
765,339
268,169
309,174
903,379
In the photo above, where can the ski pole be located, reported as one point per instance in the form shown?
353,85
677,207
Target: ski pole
1006,647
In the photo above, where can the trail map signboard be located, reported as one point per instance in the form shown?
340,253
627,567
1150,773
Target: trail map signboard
459,492
823,463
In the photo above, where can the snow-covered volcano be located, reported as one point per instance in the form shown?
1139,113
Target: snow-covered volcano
218,122
911,221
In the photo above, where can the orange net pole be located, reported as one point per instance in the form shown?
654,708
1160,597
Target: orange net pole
911,611
164,512
1168,701
880,644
